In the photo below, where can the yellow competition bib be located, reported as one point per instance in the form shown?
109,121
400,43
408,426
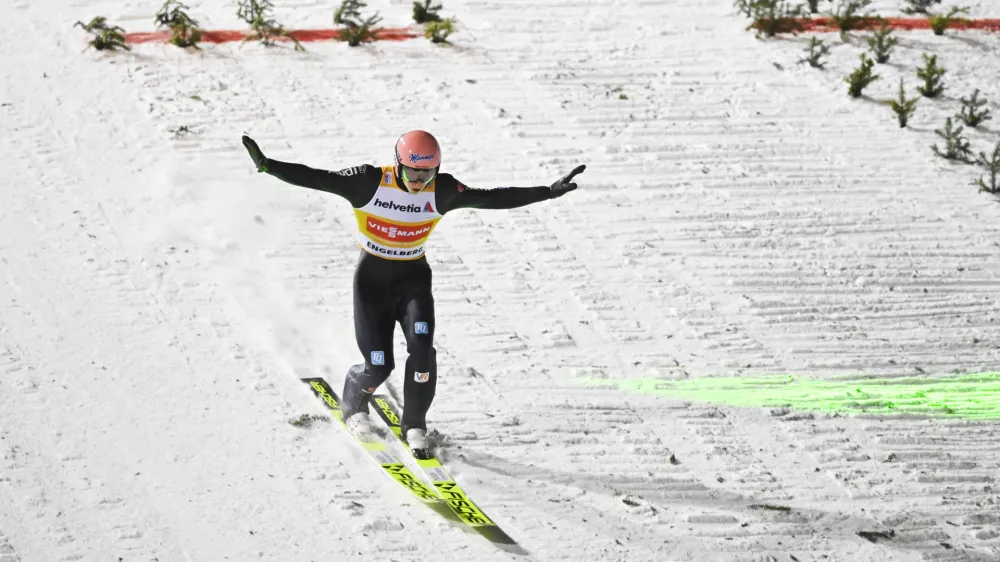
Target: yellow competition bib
396,224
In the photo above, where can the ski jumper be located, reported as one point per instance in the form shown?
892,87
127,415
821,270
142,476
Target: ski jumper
392,279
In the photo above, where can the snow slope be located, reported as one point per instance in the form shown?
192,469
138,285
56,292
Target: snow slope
739,215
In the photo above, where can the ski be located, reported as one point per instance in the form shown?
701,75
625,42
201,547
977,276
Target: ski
446,486
379,451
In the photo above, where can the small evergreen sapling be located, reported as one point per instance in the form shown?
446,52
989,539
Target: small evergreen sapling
438,31
426,12
970,113
771,17
849,17
992,166
105,38
861,77
256,14
956,146
184,30
815,51
941,22
356,30
881,42
362,32
919,6
902,107
931,74
348,12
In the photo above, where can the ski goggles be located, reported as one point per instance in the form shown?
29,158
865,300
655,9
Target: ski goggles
422,175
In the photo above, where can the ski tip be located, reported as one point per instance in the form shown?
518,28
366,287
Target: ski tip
503,541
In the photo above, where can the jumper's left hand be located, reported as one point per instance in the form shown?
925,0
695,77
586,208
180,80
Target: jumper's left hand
565,184
259,160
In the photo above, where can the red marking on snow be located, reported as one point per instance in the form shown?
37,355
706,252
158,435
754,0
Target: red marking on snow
828,24
301,35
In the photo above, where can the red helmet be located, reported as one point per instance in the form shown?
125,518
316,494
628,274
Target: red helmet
418,149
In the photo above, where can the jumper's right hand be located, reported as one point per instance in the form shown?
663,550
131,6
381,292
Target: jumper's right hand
256,155
565,184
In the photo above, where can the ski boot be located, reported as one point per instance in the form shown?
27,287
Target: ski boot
357,395
360,425
416,440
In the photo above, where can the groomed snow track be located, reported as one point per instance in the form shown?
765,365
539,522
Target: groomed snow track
740,215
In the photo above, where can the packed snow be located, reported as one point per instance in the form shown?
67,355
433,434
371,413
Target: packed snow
739,215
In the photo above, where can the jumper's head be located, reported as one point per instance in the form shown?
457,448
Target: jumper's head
418,157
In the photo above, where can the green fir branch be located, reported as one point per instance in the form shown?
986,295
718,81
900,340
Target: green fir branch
815,51
106,38
956,146
426,12
882,43
184,31
902,107
861,77
919,6
970,113
349,13
356,28
357,32
438,31
940,22
931,74
256,13
771,17
848,16
991,182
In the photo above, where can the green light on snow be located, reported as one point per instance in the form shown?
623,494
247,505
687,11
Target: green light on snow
963,396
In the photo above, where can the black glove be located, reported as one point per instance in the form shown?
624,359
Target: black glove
565,184
256,155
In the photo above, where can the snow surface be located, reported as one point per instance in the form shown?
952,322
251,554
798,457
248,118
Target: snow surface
739,215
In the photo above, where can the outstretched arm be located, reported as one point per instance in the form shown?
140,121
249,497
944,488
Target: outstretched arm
452,194
356,184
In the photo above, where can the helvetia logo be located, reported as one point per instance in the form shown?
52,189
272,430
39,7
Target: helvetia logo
408,208
428,208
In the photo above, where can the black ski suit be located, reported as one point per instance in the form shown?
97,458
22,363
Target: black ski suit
386,290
